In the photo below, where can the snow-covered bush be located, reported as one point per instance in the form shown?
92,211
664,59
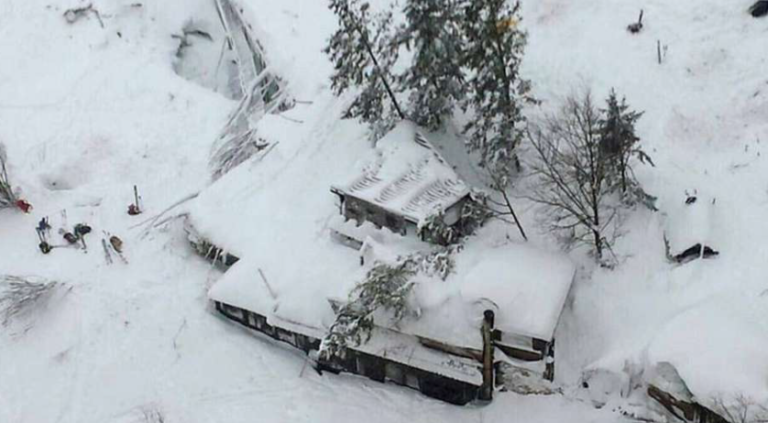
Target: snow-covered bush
740,409
235,151
7,196
438,263
152,415
20,296
434,230
474,213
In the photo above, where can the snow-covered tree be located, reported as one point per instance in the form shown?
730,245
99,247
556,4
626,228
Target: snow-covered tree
493,51
363,54
385,287
619,145
434,78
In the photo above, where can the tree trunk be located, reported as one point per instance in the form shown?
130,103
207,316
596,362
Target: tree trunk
486,391
623,170
381,74
598,244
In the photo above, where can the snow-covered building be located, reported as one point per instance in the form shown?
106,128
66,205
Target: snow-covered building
292,270
404,182
689,229
438,351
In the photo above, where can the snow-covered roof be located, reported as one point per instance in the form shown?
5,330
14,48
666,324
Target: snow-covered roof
243,287
690,221
406,175
407,350
727,353
291,266
525,287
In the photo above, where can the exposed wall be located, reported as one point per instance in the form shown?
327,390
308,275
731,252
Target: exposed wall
373,367
362,211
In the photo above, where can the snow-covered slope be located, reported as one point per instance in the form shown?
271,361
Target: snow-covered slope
705,121
87,112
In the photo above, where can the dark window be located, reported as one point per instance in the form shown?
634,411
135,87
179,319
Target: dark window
392,222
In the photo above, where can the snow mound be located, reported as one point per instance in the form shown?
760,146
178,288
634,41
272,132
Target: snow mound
719,348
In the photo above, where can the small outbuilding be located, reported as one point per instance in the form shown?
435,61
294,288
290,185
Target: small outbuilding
403,184
689,230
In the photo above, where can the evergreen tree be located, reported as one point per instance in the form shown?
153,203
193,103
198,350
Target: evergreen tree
619,144
363,54
385,287
434,77
493,51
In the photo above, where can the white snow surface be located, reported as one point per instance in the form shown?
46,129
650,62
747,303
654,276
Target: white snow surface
528,286
86,113
736,324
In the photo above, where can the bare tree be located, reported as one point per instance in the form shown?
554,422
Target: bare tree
740,409
572,175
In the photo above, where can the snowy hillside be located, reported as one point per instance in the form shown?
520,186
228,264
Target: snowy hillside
91,108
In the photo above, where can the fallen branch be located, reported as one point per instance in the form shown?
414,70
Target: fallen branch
269,288
507,204
19,296
290,119
150,223
74,15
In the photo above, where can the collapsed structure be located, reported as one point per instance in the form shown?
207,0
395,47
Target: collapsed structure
498,306
439,352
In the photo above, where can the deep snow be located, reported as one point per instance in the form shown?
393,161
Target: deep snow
86,113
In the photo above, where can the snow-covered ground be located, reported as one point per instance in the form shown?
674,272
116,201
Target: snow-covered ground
86,112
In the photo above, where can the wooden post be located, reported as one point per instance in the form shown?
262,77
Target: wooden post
658,50
549,360
136,197
486,392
